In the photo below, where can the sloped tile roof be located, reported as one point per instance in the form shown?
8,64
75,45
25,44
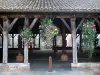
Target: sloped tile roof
50,6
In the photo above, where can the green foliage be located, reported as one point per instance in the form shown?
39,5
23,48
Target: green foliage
26,33
48,29
88,37
44,23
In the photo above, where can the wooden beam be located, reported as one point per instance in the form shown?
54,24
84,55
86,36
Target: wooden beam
80,24
54,15
33,23
1,29
73,26
5,18
12,24
66,24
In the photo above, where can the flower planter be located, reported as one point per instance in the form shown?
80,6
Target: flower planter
64,57
19,57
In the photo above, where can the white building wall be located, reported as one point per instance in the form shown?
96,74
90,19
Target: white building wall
59,41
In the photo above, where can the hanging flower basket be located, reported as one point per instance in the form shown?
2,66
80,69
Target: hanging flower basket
88,36
26,33
48,30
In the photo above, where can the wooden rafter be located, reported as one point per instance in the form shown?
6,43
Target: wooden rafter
80,24
12,24
66,24
33,23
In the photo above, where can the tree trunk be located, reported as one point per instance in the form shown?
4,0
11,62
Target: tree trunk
25,51
5,46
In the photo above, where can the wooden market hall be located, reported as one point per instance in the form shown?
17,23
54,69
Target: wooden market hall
67,15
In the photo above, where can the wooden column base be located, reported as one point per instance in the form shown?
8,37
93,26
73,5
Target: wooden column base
64,57
19,57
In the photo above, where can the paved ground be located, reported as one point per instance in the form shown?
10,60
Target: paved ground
72,72
39,65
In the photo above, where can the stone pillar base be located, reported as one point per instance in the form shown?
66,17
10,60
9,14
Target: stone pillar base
91,66
74,65
14,67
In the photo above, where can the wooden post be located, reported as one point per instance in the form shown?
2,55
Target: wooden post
81,41
63,41
39,40
50,64
5,46
26,23
5,39
19,57
2,40
25,51
33,42
19,44
73,26
64,56
6,28
31,50
55,49
12,40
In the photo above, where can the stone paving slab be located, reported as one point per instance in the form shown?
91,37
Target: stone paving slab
73,72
